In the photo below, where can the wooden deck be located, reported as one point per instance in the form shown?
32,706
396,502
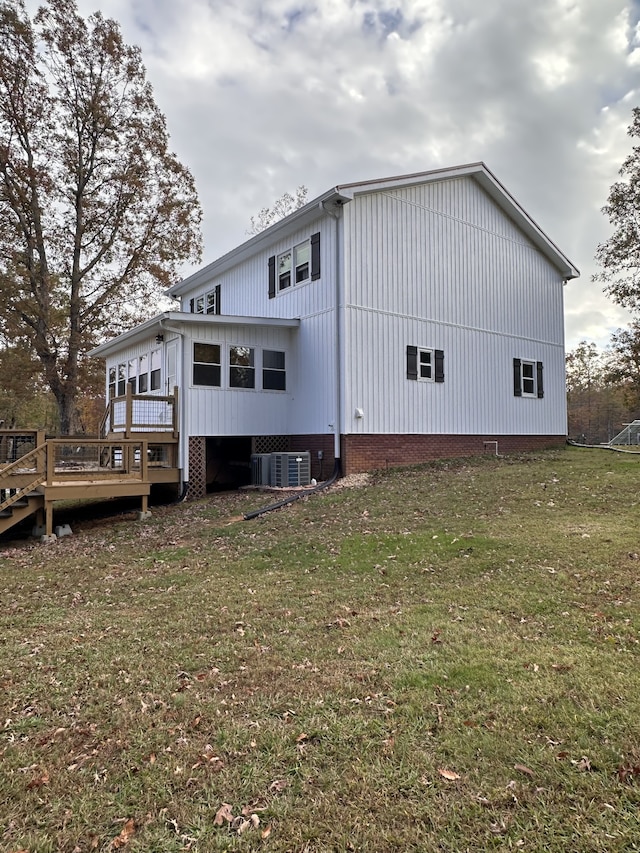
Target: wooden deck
138,448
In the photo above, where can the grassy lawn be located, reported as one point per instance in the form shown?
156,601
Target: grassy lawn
444,659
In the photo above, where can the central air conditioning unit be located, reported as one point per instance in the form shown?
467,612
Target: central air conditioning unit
291,469
260,469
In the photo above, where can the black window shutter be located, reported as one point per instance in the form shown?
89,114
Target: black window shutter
412,363
517,377
272,276
540,383
439,359
218,299
192,305
315,256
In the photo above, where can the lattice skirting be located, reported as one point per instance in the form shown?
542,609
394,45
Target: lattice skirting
197,467
270,444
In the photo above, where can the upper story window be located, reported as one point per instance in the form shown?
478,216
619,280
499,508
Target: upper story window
284,270
274,377
528,378
156,364
141,373
206,303
296,265
425,365
242,372
206,365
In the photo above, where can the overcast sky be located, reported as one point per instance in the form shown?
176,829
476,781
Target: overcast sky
264,95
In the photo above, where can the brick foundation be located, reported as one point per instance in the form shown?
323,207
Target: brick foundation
368,452
320,469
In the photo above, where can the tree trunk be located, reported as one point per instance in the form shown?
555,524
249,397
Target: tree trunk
68,413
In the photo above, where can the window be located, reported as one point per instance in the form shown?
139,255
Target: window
302,256
132,378
143,374
527,378
425,365
156,362
273,371
206,365
241,368
112,382
284,270
122,379
207,303
297,265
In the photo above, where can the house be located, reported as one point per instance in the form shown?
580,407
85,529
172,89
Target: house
386,322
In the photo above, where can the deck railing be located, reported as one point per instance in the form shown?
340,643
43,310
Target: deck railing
134,413
15,443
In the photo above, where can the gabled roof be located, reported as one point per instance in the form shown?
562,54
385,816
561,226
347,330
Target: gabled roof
169,320
344,193
492,186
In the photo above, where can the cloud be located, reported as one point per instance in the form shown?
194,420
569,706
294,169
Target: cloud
261,97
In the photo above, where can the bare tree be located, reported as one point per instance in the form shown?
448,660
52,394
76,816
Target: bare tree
282,207
96,213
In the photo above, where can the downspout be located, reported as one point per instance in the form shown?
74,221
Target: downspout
334,209
183,449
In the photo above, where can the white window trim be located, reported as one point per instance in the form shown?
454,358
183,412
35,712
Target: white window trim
220,365
293,268
533,378
201,302
432,356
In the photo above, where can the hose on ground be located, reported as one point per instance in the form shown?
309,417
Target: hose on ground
248,516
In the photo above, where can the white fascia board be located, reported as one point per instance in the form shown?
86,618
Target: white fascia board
311,212
161,323
488,181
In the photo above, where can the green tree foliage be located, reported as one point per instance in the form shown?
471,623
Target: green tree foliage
282,207
619,256
96,213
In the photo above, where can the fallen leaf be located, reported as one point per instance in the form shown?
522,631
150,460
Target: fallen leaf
523,769
223,813
38,781
125,836
584,764
244,826
301,737
278,785
449,775
266,832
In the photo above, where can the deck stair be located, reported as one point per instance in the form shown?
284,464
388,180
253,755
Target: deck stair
35,471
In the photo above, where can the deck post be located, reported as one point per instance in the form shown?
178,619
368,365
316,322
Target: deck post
176,427
50,461
128,411
40,460
144,461
48,509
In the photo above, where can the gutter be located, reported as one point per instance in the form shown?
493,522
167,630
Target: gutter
335,210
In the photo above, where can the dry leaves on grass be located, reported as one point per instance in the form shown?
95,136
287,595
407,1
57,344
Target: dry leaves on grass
449,775
247,819
128,831
223,813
